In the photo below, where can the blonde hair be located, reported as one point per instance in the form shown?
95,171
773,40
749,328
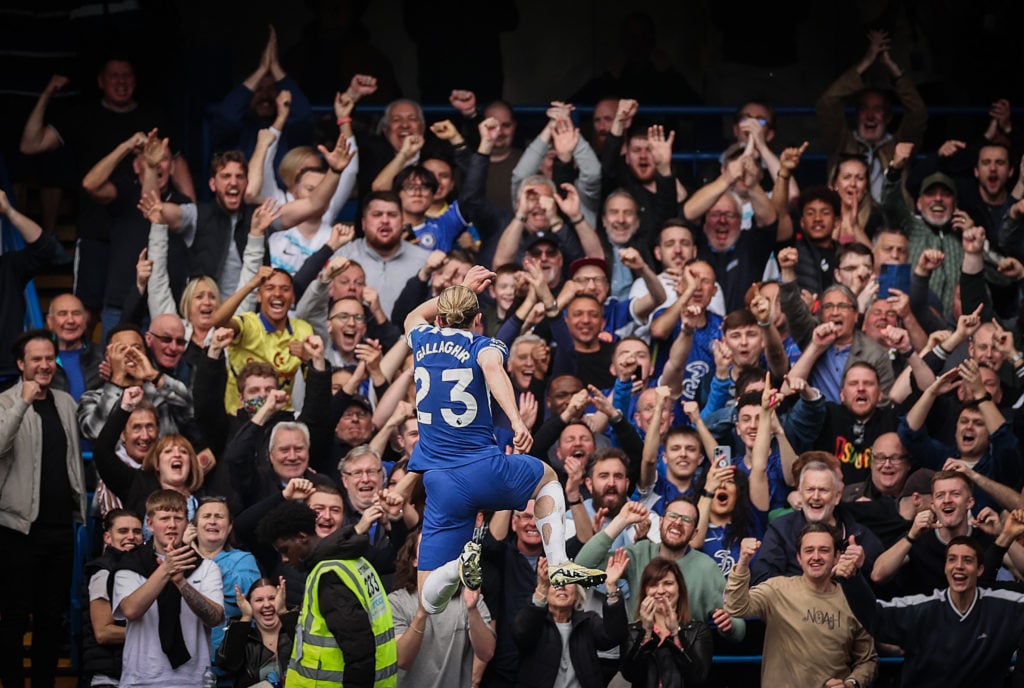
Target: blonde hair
190,289
292,164
457,306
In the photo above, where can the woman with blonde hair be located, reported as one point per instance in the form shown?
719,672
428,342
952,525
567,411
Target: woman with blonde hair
199,301
301,171
197,306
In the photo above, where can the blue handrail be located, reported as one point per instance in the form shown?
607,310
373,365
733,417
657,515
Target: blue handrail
756,659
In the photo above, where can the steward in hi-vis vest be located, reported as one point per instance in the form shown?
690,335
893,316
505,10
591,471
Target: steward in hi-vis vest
317,658
346,634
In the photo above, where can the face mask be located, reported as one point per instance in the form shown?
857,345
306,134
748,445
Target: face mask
253,405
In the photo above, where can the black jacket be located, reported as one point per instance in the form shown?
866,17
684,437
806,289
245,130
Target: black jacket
343,612
246,459
211,377
243,653
540,644
665,665
777,556
215,236
815,266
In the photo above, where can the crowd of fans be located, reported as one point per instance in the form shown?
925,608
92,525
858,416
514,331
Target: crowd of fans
769,403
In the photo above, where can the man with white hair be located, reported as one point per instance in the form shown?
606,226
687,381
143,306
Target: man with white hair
821,488
289,455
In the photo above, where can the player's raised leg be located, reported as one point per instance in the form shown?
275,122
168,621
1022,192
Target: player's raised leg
550,513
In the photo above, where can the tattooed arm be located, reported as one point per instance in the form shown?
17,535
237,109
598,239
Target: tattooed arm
208,611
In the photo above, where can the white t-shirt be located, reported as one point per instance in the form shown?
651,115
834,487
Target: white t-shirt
145,663
446,655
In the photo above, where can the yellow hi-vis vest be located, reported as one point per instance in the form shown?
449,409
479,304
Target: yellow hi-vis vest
316,659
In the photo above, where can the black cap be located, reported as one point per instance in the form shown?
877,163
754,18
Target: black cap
541,237
920,481
361,400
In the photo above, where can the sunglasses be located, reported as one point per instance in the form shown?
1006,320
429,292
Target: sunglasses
167,339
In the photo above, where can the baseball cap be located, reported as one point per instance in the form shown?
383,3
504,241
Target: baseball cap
583,262
941,179
920,481
360,400
541,237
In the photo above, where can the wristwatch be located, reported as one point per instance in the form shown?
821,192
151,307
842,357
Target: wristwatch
852,682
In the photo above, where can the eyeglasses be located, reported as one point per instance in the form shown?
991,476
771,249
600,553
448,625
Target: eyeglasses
721,214
416,189
345,317
836,307
673,516
167,339
588,280
544,252
358,414
365,473
888,458
217,499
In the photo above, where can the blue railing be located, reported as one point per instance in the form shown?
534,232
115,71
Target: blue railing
756,659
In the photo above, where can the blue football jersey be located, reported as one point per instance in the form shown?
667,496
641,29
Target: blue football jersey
440,233
453,403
